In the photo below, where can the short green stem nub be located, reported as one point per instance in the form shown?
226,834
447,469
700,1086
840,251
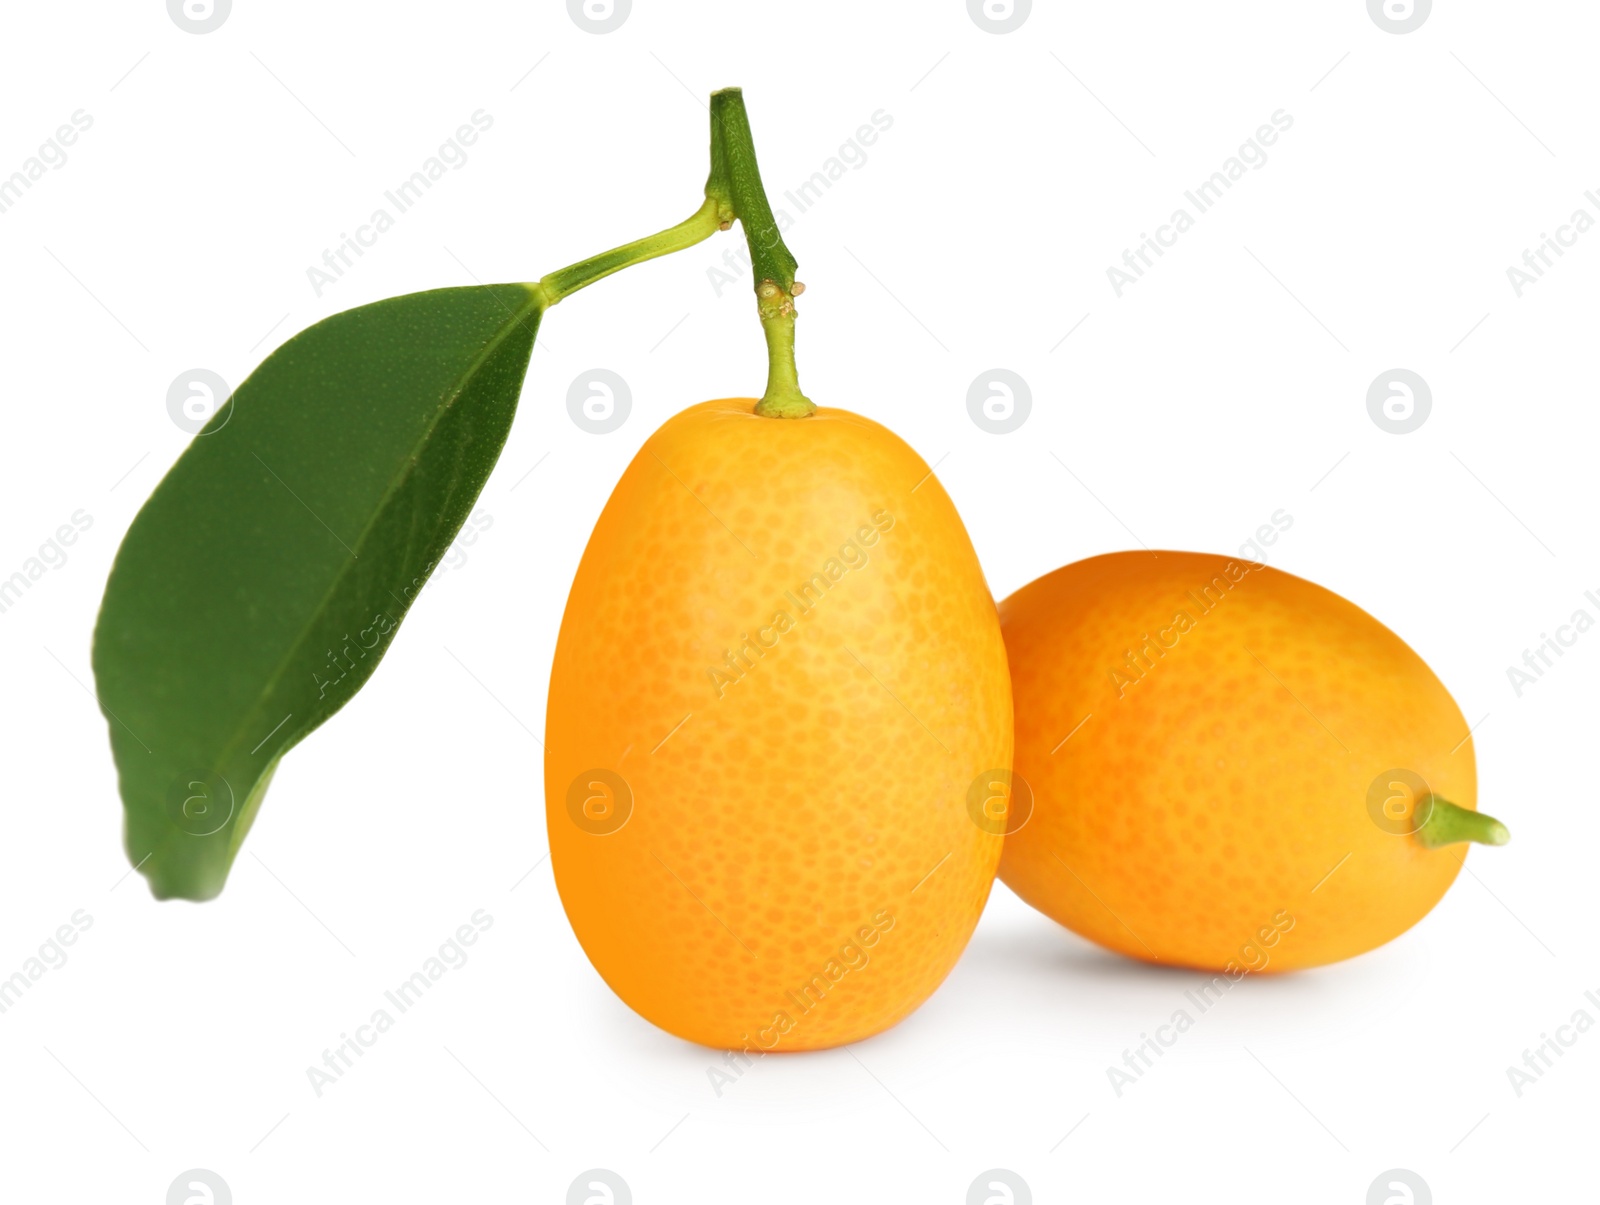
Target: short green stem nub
783,398
1448,824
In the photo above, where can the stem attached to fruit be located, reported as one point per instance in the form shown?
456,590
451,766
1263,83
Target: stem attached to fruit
735,183
733,192
1448,824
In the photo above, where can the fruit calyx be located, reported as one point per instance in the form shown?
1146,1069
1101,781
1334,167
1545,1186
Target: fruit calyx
1448,823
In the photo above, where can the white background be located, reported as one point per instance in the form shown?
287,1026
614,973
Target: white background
1228,383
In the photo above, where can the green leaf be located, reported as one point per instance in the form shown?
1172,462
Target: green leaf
265,578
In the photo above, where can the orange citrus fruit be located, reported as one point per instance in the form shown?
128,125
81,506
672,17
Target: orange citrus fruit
779,674
1233,769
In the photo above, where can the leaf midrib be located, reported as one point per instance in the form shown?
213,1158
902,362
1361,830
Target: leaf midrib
412,460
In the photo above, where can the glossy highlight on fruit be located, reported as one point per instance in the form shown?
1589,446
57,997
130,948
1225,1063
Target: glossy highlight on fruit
779,673
1233,768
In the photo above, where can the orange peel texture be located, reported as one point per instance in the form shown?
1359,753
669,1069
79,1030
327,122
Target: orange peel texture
1228,764
779,673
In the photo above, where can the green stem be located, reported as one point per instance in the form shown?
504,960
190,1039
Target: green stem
1447,824
735,184
733,192
783,398
563,282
